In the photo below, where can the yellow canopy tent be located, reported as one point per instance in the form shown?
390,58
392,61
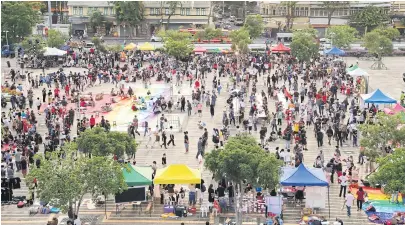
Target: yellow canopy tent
146,47
130,46
177,174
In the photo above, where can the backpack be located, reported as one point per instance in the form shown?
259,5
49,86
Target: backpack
203,188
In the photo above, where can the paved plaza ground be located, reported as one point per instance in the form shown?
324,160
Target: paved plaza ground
389,81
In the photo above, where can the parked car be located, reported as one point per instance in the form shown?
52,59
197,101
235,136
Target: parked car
8,50
155,39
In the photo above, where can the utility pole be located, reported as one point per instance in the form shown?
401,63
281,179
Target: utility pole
50,14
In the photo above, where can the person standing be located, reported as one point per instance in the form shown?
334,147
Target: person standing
360,198
164,140
43,95
186,141
343,185
171,137
92,121
157,137
17,160
149,138
349,200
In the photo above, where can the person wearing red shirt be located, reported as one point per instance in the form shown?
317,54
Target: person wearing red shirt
82,103
360,198
56,92
67,89
92,122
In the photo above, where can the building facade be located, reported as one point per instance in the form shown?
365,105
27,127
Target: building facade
187,14
80,12
398,14
313,14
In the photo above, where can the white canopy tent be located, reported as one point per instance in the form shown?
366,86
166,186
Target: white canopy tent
54,52
358,73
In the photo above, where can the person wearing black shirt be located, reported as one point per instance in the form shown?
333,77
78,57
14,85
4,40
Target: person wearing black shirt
211,194
220,191
231,194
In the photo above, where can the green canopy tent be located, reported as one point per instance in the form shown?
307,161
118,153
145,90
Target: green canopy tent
355,67
134,178
214,50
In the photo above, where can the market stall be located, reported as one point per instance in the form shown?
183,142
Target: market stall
138,184
199,50
357,73
334,51
130,46
280,48
378,97
54,52
146,47
177,174
313,179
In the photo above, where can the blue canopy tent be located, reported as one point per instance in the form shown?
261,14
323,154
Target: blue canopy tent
378,97
334,51
304,176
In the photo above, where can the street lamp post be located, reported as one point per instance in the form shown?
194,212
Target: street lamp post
6,31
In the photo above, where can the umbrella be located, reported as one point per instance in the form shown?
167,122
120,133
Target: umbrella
146,47
130,46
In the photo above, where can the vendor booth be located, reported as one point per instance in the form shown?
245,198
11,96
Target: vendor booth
280,48
146,47
54,52
138,183
352,68
313,179
177,174
200,50
394,110
357,73
378,97
334,51
130,46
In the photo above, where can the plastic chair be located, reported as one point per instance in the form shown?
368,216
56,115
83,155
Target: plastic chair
204,210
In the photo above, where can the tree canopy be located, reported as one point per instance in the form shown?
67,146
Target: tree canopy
240,40
55,38
378,43
391,172
177,44
98,142
173,5
375,137
303,45
254,25
369,17
290,13
243,159
130,13
18,18
209,33
96,19
331,6
34,45
65,178
342,36
389,32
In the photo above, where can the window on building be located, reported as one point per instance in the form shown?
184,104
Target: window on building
95,9
197,11
203,12
166,11
187,11
105,11
297,12
152,11
75,12
182,11
80,10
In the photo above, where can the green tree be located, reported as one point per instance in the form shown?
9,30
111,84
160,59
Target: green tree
389,32
98,142
375,137
173,5
63,181
342,36
391,172
34,45
331,6
290,13
129,13
254,25
18,18
96,20
240,43
243,159
114,48
209,33
369,17
379,45
176,44
403,21
55,39
304,46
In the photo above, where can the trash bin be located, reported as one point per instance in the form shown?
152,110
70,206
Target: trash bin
8,64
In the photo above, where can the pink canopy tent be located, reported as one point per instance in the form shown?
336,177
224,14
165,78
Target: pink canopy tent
200,49
396,109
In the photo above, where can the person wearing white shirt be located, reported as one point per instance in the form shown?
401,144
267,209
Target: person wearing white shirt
343,185
349,200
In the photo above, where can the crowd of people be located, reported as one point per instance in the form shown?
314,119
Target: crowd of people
314,96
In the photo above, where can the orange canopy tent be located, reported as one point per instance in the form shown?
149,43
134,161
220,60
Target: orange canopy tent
280,48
